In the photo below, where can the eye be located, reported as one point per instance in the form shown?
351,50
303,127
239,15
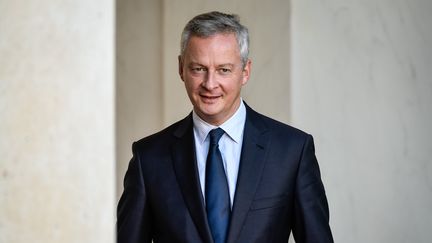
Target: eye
224,70
198,69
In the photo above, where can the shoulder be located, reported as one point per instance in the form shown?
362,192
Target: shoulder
276,128
163,138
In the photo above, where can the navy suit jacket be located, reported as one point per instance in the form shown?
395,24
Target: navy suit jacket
279,188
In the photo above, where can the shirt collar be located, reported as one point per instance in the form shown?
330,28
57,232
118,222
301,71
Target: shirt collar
233,127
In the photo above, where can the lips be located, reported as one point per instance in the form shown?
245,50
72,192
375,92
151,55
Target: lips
210,98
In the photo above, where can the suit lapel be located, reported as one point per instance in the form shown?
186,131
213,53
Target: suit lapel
183,156
255,142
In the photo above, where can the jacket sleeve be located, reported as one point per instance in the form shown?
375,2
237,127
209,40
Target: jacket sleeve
311,207
133,211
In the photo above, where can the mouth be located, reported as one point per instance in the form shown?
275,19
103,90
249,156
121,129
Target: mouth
209,98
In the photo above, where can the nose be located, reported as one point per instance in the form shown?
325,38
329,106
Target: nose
210,81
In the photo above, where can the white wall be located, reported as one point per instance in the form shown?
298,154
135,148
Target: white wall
355,74
361,84
56,121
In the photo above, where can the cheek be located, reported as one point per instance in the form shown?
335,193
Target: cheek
191,86
233,86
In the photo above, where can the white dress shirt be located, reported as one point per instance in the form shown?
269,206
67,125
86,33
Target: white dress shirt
230,146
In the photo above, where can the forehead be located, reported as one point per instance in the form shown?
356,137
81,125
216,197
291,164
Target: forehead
218,44
227,40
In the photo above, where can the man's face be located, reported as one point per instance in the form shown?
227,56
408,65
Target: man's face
213,74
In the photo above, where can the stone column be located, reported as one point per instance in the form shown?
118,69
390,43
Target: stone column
57,121
361,84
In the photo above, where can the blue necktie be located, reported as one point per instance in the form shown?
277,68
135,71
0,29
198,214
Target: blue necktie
216,190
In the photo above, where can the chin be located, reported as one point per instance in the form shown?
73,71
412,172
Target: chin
209,112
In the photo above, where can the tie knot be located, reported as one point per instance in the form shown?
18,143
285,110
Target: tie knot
215,135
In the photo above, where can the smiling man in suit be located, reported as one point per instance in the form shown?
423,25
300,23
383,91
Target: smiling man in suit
225,173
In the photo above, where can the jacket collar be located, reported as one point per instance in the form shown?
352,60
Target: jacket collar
255,143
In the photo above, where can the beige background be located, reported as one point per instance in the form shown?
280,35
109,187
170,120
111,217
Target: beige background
361,84
57,142
355,74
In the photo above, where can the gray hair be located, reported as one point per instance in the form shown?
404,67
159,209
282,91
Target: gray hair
209,24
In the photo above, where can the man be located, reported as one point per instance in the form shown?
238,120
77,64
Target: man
224,173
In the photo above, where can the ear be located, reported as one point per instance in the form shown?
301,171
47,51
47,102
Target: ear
180,67
246,72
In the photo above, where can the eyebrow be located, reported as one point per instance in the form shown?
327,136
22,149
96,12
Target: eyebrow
230,65
219,66
195,64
